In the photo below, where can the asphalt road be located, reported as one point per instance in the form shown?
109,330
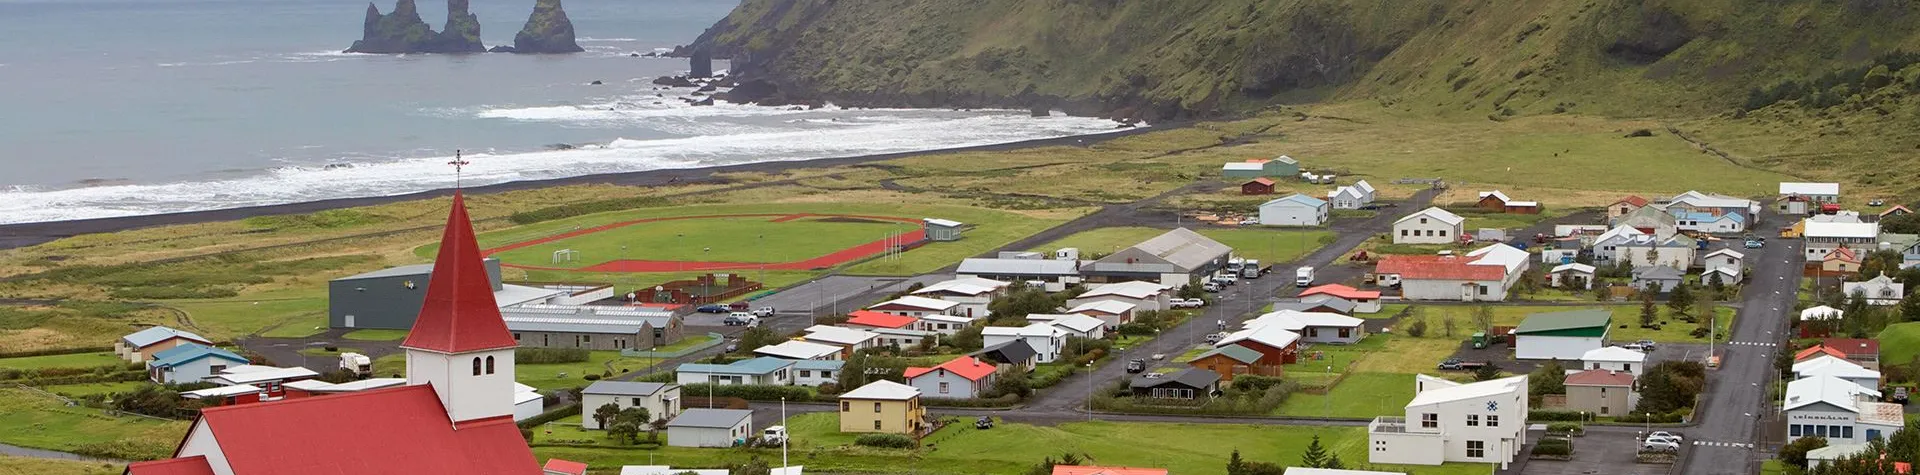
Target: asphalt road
1734,406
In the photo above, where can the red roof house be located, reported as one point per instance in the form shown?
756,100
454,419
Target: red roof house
1601,377
959,378
1257,186
1364,301
563,467
1815,351
1438,267
455,416
1862,351
873,319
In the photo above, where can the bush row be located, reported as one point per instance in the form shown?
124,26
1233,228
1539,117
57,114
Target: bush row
1667,418
550,355
750,392
887,441
590,207
125,449
58,351
1002,401
1550,416
558,413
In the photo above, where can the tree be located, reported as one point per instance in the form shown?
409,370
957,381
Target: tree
1315,456
1903,224
1680,301
1716,284
1191,292
1704,311
1333,462
1486,373
1447,323
1550,378
968,339
853,374
757,337
1904,444
1483,318
1648,314
1602,292
1910,308
605,413
1795,453
1658,394
1011,382
1022,301
1235,466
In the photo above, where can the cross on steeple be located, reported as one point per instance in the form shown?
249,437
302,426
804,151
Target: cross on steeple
458,163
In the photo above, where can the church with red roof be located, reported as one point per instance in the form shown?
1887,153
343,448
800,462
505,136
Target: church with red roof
454,415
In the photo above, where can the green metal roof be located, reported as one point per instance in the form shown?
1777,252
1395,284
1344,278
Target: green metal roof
1586,322
1236,352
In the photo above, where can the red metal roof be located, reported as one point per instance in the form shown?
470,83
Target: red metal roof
1817,350
966,366
459,314
394,431
1438,267
1342,291
1844,255
880,319
1258,160
1262,180
1093,470
1600,377
1635,200
565,466
195,465
1853,346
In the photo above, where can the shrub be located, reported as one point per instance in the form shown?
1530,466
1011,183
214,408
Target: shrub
750,392
1542,416
550,355
125,449
1640,133
1553,446
1564,427
1418,328
887,441
1674,417
592,377
558,413
1254,382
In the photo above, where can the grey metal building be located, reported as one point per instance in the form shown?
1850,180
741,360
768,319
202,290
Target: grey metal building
592,327
387,298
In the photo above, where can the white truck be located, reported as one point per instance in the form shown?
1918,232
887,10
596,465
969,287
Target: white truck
1303,277
359,364
1250,269
773,436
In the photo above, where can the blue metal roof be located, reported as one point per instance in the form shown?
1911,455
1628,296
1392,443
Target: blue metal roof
189,352
756,366
829,365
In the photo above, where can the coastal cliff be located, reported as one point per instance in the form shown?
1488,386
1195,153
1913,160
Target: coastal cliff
548,31
402,31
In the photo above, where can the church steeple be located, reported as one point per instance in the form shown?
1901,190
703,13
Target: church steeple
460,344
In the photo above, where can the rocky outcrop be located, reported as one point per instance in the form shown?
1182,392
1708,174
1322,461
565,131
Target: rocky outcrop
700,64
548,31
404,32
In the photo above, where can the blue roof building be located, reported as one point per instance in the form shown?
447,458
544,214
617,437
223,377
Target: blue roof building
190,363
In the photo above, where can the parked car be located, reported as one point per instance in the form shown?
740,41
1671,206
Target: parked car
733,346
1213,287
1188,303
1756,243
1256,221
1642,345
763,312
1659,446
741,319
983,423
774,435
1455,364
1159,356
1661,434
1876,203
713,308
1213,337
1136,365
1899,395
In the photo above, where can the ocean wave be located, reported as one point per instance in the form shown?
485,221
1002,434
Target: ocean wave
590,39
428,170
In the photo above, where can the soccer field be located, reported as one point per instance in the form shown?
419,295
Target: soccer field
751,239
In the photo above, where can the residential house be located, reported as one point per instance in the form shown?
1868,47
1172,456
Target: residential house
1347,197
1340,306
882,406
972,293
816,372
1257,186
870,319
1428,226
1908,245
1606,247
1012,355
1514,261
1314,327
1816,351
901,337
1276,345
1111,312
661,400
1572,275
1674,251
1732,262
1896,210
1044,339
1566,335
1803,198
1294,210
1882,290
228,395
1366,190
1832,452
801,350
1861,351
702,427
1705,222
1364,301
916,306
1082,326
1602,392
1144,295
847,339
1649,220
1499,202
270,378
1482,422
1186,383
1233,360
1842,262
761,371
1714,203
965,377
1173,259
142,345
189,363
1625,206
563,467
1053,275
1837,367
1823,237
1614,358
1443,277
1658,278
1839,410
946,324
1818,321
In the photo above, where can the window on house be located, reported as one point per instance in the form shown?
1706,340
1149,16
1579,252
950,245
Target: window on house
1429,421
1443,233
806,373
1403,233
489,365
215,368
876,407
1476,449
1473,420
1793,430
846,406
1494,421
1379,446
1423,220
1344,332
1626,366
1846,432
876,425
1313,332
586,338
516,337
943,387
476,366
826,374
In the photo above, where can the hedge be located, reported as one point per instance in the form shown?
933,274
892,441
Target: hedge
1553,416
1002,401
1552,446
562,412
750,392
660,377
550,355
590,207
57,351
1566,428
889,441
1668,418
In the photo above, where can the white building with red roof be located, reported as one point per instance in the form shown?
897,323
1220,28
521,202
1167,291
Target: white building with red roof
965,377
1443,277
1364,301
869,319
454,415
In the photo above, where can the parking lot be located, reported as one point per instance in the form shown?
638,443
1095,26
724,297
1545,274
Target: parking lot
1608,451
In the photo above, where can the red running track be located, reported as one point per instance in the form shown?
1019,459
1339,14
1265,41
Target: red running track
629,265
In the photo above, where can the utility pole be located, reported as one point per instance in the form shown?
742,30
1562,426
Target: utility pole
786,434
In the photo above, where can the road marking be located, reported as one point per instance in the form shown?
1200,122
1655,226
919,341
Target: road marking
1705,443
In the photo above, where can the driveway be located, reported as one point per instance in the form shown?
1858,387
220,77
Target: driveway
1608,452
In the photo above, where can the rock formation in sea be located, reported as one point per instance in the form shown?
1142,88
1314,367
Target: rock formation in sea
402,31
701,64
548,31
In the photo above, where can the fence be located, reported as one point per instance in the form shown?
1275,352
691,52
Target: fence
713,340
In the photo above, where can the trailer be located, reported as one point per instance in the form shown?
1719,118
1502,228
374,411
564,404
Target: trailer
356,363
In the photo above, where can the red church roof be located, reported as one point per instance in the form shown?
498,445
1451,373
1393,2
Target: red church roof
966,366
1342,291
195,465
565,466
879,319
460,314
1438,268
394,431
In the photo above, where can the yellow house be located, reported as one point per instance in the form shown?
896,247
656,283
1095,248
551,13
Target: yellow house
882,406
141,345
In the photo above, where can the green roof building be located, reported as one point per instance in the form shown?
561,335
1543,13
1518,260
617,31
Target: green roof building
1562,335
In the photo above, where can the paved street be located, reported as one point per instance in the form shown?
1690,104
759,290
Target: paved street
1735,402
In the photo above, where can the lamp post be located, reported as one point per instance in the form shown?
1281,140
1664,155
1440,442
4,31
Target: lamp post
1089,391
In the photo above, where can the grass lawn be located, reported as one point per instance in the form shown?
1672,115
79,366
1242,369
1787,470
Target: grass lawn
75,390
395,365
375,335
1899,342
1386,311
1312,367
726,239
1009,448
1359,395
547,376
1772,467
38,466
76,360
689,341
33,420
284,313
1269,246
1405,354
1195,352
1674,331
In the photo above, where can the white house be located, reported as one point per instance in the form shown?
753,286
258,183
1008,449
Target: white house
965,377
1708,222
1565,335
1483,422
1674,251
1082,326
1823,237
1839,410
1613,358
916,306
1803,198
1314,327
900,337
1606,247
800,350
1045,339
1820,312
1366,189
1732,261
1347,197
1112,312
972,293
710,428
946,324
1832,366
661,400
1880,290
1053,275
848,339
1482,275
762,371
816,372
1428,226
1294,210
1832,452
1142,294
1575,275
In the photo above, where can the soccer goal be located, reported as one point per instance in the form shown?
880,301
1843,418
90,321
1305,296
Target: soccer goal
565,255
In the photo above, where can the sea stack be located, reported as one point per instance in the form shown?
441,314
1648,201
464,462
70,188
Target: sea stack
399,32
702,64
548,31
462,33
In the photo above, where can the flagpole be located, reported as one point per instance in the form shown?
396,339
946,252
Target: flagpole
784,437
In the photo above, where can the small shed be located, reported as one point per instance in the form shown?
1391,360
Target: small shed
1567,335
710,428
1571,275
942,230
1189,383
1257,186
1294,210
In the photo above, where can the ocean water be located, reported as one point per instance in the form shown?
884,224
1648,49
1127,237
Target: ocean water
130,107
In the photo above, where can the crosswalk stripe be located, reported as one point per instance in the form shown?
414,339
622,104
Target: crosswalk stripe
1708,443
1750,343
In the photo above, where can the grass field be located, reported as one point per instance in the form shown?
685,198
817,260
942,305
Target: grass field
549,376
75,390
1362,395
689,341
293,312
1320,364
1269,246
1673,331
1007,448
1899,342
76,360
374,334
33,420
37,466
724,239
